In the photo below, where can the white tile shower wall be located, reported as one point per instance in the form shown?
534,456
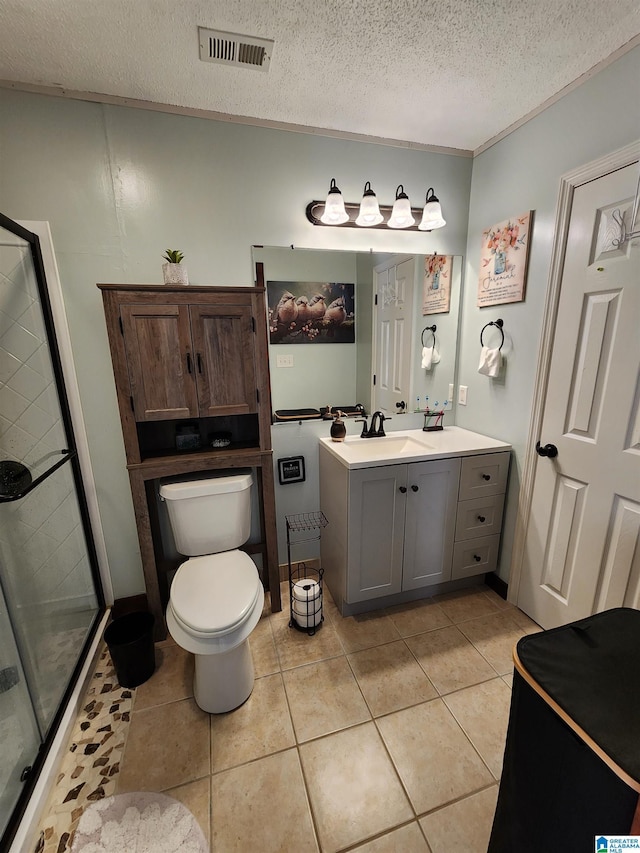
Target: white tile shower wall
41,539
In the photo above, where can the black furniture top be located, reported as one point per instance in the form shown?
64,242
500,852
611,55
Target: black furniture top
589,671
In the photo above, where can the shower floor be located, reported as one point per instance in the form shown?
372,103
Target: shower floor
90,767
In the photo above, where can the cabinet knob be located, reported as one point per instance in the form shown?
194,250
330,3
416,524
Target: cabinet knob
486,476
481,519
414,488
403,489
477,558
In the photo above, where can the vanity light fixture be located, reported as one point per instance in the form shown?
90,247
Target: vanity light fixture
369,211
369,214
334,212
401,216
432,215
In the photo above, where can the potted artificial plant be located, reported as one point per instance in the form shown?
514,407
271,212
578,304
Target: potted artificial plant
173,270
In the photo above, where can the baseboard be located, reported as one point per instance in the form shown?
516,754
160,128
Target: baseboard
133,603
495,582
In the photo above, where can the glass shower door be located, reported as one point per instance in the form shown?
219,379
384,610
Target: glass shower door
19,734
48,567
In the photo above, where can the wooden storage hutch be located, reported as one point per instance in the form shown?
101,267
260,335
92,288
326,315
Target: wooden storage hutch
197,355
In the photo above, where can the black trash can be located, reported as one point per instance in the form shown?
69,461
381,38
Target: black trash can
130,642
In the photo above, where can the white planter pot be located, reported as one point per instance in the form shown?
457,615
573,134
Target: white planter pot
175,274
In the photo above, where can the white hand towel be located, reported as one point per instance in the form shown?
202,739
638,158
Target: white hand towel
430,355
490,362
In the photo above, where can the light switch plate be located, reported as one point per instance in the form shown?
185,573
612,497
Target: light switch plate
450,397
462,395
284,361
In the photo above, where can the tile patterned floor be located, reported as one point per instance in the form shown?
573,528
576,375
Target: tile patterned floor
381,733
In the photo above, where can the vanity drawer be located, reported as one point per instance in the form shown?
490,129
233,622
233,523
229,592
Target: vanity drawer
485,474
479,517
475,557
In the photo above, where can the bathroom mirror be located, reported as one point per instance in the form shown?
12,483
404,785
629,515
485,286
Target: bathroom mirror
314,365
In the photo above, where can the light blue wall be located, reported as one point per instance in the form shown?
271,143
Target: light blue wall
118,186
521,173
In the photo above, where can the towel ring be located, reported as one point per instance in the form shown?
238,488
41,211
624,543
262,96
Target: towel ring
431,329
498,324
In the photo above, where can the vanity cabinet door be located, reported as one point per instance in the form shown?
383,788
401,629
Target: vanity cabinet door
432,496
224,344
377,499
160,362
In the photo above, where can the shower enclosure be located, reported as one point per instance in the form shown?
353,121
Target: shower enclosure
50,594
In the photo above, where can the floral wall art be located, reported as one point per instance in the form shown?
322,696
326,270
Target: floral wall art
503,261
310,312
436,292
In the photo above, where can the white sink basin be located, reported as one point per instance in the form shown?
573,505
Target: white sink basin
363,449
406,446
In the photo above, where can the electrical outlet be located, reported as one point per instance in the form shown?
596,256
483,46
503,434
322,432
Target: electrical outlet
284,361
462,395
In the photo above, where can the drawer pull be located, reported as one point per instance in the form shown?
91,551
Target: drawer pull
486,476
477,558
403,489
414,488
481,519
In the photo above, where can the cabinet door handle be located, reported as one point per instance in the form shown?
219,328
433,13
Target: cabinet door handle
414,488
481,519
403,489
199,357
486,476
477,558
189,368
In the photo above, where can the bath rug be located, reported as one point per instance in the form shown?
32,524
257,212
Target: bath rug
138,823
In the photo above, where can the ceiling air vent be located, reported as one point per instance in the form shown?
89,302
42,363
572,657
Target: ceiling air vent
234,49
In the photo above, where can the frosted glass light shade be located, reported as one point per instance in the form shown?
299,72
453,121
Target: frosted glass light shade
432,214
401,216
369,211
334,212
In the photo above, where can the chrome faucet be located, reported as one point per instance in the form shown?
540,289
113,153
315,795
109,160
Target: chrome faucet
376,429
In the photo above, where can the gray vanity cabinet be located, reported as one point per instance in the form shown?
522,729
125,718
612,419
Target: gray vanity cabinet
397,529
391,527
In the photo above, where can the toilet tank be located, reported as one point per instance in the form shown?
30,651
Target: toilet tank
209,515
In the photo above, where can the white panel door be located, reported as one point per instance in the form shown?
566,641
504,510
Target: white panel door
392,318
582,550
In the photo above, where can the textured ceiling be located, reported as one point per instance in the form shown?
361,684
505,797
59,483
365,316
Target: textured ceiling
449,73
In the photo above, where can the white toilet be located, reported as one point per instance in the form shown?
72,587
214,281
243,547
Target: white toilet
216,597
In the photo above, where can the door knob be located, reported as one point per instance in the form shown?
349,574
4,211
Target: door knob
414,488
403,489
549,450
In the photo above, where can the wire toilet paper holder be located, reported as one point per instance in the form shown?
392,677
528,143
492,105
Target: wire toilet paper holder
305,582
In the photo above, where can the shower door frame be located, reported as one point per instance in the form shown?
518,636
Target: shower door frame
71,457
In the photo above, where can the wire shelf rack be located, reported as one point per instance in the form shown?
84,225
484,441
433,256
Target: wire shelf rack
306,521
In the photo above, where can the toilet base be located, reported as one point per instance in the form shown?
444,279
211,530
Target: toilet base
223,681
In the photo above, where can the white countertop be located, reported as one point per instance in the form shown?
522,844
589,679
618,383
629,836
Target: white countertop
413,445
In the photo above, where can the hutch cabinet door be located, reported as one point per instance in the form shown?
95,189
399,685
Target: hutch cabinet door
377,499
430,522
158,345
224,344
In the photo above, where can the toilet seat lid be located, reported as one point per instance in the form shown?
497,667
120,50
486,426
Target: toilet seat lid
215,593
